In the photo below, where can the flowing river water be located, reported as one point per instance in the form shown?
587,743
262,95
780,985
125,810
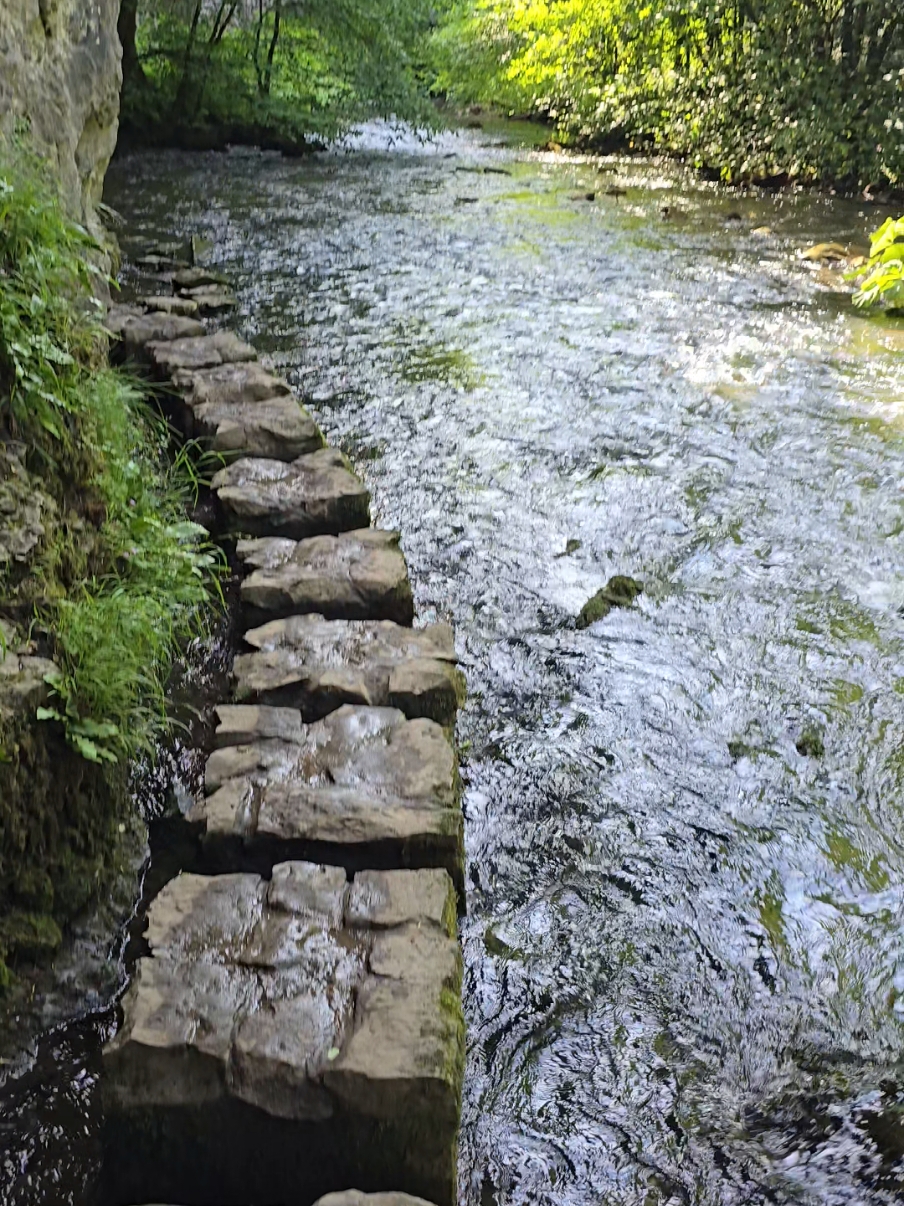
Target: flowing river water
684,946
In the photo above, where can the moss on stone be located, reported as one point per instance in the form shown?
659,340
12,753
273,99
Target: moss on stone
59,827
810,743
35,937
619,591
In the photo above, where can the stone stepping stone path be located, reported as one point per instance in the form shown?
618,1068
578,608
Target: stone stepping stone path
295,1025
304,1013
353,576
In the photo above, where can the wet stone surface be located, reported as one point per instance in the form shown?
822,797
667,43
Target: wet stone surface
313,664
363,787
136,330
315,495
200,352
272,1016
354,576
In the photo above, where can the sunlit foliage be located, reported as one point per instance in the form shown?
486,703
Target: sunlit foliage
296,68
758,88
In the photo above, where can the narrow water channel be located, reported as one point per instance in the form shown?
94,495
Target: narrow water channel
685,824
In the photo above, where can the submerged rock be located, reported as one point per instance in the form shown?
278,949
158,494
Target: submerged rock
832,253
618,592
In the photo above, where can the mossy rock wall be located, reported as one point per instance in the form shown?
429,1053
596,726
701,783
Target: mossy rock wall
59,830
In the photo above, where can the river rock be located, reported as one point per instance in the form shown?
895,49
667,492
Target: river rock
201,352
171,305
211,300
314,495
354,1197
199,278
135,332
271,1021
316,665
363,786
354,576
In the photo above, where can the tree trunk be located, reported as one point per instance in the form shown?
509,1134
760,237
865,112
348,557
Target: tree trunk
132,71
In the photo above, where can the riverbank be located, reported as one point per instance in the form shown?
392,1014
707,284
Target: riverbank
102,580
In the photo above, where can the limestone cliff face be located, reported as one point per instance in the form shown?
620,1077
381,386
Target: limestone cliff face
60,73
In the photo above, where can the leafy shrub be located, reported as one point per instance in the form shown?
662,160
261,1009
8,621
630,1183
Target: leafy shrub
884,281
123,579
755,88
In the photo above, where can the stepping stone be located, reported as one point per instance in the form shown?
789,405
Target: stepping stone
354,1197
171,305
354,576
236,406
215,299
230,382
362,788
285,1037
136,331
202,352
314,495
154,262
199,278
316,665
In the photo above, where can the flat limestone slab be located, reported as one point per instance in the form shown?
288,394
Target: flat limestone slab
354,1197
316,665
229,382
277,428
362,788
171,305
314,495
354,576
285,1037
136,331
211,299
235,406
201,352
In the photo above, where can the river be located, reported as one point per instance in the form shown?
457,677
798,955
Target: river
684,947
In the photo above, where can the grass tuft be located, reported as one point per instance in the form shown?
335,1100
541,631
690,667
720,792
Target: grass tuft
122,580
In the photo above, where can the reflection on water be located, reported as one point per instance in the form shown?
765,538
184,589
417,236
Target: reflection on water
684,947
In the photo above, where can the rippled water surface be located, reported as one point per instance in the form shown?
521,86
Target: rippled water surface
684,947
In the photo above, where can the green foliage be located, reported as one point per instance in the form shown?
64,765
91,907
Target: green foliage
123,579
275,65
884,281
46,275
755,88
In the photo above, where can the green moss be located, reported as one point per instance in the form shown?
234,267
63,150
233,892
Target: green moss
31,936
619,591
454,1063
810,743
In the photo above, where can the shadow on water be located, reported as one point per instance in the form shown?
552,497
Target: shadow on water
684,948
